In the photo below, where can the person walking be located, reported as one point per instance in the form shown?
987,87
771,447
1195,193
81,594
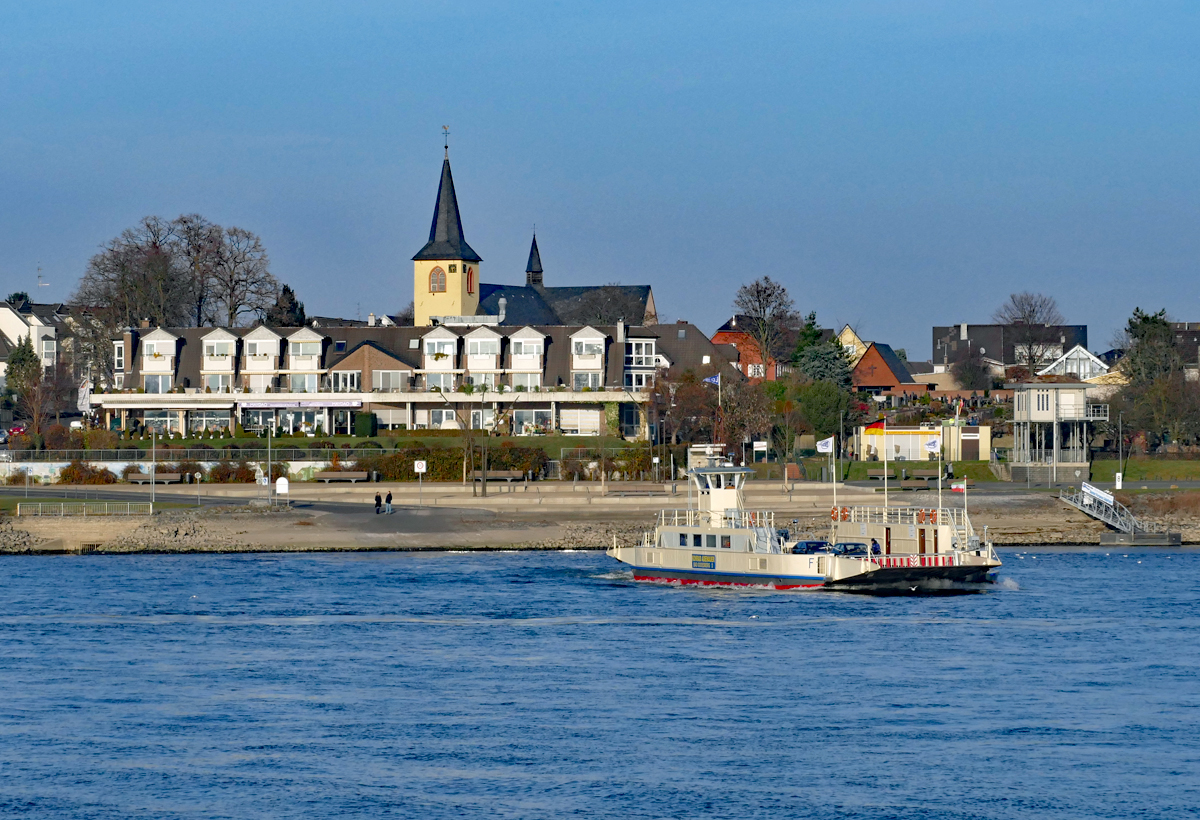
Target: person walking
378,502
388,503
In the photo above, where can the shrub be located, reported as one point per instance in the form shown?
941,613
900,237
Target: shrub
370,445
25,441
17,477
131,469
226,472
82,472
100,440
186,469
365,425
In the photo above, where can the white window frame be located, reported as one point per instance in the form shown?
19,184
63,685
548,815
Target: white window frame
526,348
158,379
118,356
347,381
444,381
304,348
435,346
589,347
530,381
483,347
589,378
213,350
397,381
218,382
639,353
304,380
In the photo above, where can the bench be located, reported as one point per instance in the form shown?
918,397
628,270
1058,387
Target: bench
914,484
970,482
342,475
880,474
500,475
158,478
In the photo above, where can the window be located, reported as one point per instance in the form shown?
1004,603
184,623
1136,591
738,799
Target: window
440,347
639,354
118,380
683,539
414,344
214,349
260,384
582,380
217,383
119,356
470,280
346,381
304,383
682,334
153,350
756,371
527,422
483,347
389,381
526,348
439,381
158,384
726,542
200,420
339,347
706,360
638,381
255,420
696,542
484,380
439,417
589,347
710,541
530,381
483,419
260,348
305,348
164,421
437,280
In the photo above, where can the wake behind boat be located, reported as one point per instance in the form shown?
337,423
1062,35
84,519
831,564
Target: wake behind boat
870,547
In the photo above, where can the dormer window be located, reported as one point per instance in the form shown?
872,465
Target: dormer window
483,347
153,350
589,347
214,349
305,348
437,280
439,347
259,348
526,348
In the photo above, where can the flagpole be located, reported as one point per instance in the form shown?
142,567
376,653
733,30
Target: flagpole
885,470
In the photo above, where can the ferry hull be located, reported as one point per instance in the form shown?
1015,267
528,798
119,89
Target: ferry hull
908,577
729,579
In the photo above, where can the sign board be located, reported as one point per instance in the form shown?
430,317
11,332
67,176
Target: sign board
1097,494
1118,478
760,446
281,485
419,467
655,459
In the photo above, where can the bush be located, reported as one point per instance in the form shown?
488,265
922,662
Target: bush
366,425
186,469
369,445
25,441
59,437
100,440
17,478
226,472
81,472
131,469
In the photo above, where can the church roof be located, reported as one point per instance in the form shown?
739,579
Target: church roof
600,304
534,265
446,240
524,305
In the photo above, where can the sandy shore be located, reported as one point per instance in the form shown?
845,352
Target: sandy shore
1011,518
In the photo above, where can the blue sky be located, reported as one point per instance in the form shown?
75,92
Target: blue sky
896,164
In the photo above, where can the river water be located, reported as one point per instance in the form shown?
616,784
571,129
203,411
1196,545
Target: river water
532,685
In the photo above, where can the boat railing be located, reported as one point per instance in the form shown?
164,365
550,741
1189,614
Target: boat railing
730,519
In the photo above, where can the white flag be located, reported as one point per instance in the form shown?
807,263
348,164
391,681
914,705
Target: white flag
825,445
933,445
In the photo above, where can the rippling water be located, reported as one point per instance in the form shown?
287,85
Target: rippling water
549,685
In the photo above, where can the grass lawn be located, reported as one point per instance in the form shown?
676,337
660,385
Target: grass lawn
1148,469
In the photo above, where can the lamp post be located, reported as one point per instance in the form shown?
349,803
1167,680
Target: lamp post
153,461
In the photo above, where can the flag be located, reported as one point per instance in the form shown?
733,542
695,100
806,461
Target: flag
959,487
933,445
713,379
825,445
876,426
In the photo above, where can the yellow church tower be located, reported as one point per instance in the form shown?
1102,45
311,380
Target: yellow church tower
446,270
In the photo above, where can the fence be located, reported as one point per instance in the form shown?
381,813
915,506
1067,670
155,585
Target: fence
86,508
162,455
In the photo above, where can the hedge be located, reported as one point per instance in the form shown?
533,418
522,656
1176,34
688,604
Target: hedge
446,464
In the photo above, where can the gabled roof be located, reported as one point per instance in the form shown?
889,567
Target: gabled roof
440,332
262,332
587,332
482,330
1074,353
601,304
890,360
528,333
305,334
524,305
446,240
219,333
158,335
342,357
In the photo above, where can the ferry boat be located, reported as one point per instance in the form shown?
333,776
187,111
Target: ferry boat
720,542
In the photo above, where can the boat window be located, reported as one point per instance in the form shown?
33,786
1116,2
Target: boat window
725,542
711,542
696,540
683,539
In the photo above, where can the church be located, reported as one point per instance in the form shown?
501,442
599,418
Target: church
447,289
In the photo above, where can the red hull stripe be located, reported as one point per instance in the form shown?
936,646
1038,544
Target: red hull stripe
707,583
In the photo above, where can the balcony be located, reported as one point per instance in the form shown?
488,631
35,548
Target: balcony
1097,412
222,363
158,363
304,363
260,363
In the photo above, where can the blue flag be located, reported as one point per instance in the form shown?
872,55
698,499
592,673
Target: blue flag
713,379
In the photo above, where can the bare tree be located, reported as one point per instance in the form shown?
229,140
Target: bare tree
407,317
138,276
199,246
769,316
1033,318
242,283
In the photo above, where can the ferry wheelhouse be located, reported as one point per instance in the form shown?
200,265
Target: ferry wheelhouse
720,542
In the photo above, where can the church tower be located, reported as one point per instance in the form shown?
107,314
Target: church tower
533,268
446,270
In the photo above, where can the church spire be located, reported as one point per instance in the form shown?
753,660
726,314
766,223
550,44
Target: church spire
533,268
446,240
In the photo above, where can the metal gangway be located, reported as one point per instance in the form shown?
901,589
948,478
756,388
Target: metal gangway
1104,507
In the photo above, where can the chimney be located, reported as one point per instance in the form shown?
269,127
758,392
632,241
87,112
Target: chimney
128,338
503,309
370,320
621,331
145,324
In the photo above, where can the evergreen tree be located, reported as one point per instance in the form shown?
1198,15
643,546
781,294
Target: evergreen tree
808,335
17,297
825,362
287,310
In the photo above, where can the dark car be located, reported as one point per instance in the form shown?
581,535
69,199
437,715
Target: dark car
809,547
851,548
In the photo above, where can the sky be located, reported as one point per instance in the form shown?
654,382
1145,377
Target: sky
895,164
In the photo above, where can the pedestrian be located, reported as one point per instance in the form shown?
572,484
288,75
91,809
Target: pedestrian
388,502
378,502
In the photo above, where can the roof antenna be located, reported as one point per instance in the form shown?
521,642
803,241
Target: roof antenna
41,284
446,139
